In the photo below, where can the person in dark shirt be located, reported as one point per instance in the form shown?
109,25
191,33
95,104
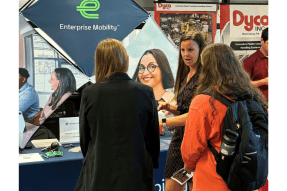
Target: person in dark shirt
256,65
119,128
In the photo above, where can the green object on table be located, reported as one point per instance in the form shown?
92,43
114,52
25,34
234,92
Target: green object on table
52,154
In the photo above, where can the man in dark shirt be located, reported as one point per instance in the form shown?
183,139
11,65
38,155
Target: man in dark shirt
256,65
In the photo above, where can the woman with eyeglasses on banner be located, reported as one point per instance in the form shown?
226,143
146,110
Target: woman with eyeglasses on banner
154,70
189,66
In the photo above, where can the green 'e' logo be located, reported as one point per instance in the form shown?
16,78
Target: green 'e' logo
83,9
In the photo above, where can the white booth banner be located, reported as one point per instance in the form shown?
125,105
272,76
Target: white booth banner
241,27
248,21
184,7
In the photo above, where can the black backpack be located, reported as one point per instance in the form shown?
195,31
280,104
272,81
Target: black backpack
247,168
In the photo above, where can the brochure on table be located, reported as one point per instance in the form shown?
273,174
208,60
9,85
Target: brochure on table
69,130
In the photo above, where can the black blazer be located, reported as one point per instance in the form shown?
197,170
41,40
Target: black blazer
119,136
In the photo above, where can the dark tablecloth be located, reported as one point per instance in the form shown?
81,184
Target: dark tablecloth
62,173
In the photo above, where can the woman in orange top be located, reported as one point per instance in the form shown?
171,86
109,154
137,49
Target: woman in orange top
222,72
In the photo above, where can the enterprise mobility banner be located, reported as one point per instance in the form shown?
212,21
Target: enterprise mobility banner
77,26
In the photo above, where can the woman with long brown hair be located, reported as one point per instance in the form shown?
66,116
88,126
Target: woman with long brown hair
189,66
222,72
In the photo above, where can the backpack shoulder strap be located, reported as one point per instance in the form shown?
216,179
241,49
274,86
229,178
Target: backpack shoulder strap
214,151
226,102
219,97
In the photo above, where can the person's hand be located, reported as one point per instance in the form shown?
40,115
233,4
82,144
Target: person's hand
187,169
265,81
163,106
166,113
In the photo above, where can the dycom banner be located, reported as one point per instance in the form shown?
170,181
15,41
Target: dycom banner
78,26
176,19
241,27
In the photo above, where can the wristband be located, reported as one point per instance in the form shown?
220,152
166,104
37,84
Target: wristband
163,120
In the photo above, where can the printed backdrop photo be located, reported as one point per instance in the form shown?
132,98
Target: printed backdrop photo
56,43
175,19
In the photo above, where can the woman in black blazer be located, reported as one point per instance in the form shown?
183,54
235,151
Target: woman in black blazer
119,128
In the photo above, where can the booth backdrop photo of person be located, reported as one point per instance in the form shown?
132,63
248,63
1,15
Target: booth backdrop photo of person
40,59
63,84
154,70
150,37
119,129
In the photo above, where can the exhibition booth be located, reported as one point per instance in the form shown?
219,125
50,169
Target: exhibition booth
51,39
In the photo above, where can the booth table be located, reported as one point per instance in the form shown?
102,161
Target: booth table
62,173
